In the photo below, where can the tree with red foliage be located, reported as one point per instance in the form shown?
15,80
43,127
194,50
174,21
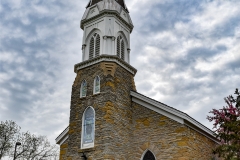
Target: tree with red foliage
227,128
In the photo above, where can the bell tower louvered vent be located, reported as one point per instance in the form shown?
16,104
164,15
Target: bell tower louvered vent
91,48
97,48
120,48
94,46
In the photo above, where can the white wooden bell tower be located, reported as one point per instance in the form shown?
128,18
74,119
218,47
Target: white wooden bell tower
107,27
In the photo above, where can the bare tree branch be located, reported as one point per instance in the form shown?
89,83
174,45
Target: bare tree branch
8,130
32,147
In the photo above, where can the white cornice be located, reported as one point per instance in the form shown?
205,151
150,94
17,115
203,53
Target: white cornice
105,58
62,137
172,113
104,13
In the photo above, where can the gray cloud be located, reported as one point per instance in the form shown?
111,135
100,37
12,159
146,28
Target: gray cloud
189,54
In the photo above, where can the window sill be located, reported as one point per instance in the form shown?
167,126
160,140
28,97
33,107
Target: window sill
83,97
86,150
95,94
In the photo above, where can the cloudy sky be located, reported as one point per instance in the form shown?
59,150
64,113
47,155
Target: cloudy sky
187,53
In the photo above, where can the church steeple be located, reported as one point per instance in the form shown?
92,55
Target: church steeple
107,27
109,120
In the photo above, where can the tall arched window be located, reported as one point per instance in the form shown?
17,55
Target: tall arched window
96,85
83,89
148,156
88,128
120,47
94,46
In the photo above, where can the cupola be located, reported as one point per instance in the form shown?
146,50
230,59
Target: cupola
107,27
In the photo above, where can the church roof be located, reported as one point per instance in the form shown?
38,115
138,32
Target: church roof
121,2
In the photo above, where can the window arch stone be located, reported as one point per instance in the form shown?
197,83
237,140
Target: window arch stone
88,128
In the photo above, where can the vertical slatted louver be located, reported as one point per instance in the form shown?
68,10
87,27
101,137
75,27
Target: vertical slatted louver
122,50
91,48
97,46
118,46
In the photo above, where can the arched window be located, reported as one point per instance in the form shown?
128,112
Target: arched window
94,46
83,89
88,128
149,156
120,48
96,85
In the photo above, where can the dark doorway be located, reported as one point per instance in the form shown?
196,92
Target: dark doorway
149,156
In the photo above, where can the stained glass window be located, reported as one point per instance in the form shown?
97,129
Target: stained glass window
88,128
149,156
83,90
97,85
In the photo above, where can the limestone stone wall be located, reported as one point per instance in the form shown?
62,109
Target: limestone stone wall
124,130
166,138
63,150
113,113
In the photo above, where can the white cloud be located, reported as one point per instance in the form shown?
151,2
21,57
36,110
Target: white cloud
186,65
215,13
15,4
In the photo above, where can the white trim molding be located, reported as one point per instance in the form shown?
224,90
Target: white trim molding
62,137
104,13
173,113
105,58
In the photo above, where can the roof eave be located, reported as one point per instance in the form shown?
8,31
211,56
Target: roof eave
62,137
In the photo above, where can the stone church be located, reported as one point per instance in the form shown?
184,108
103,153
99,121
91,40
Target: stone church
109,119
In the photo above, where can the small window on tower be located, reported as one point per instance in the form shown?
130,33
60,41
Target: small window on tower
88,128
96,88
120,48
83,89
94,46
